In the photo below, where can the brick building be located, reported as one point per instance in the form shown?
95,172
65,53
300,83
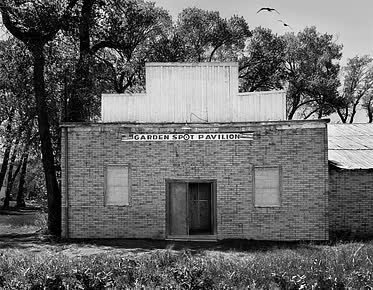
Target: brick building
193,159
351,179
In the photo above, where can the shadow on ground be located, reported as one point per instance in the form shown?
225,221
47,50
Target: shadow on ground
17,232
19,210
223,245
37,242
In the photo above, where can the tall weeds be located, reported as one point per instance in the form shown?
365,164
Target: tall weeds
307,267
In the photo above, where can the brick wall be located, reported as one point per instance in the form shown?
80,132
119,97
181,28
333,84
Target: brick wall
299,148
351,202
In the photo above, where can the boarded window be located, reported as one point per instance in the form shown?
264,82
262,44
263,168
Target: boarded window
267,186
117,185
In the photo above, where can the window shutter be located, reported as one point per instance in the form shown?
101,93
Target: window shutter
267,186
117,185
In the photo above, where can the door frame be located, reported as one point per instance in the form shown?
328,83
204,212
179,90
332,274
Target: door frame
213,183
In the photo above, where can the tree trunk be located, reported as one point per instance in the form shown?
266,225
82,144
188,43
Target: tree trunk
291,113
341,116
319,114
20,195
10,177
4,165
295,100
370,114
353,114
81,92
53,191
8,147
65,97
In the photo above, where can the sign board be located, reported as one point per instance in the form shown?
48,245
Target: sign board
189,137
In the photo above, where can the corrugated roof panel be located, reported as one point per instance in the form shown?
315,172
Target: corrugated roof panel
351,159
350,129
351,142
351,145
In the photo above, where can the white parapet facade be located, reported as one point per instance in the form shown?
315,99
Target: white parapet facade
193,93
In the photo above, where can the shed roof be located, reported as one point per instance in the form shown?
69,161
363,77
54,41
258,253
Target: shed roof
351,145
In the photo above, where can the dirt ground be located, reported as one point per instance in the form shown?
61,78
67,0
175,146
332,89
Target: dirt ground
22,229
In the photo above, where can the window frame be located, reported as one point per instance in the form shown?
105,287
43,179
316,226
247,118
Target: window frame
279,168
128,166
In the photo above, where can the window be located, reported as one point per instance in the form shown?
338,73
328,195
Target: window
117,185
267,186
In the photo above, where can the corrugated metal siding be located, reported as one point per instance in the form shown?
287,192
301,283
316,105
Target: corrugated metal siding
115,107
260,106
193,93
351,145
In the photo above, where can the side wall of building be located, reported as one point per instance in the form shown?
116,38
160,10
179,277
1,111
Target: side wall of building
351,202
300,151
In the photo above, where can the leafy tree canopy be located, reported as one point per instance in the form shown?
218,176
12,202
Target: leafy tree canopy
262,64
205,33
312,68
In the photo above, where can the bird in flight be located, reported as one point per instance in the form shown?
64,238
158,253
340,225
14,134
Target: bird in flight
285,24
267,9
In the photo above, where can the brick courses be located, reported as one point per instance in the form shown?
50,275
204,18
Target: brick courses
351,202
298,147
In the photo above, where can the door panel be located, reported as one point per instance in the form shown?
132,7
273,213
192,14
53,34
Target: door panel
178,208
193,205
193,214
190,209
200,208
204,215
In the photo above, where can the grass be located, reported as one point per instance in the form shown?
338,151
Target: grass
341,266
32,263
21,221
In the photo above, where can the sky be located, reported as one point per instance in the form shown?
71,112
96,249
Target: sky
349,21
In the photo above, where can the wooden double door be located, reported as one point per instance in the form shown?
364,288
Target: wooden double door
191,208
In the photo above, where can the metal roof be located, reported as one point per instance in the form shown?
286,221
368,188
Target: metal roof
350,146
